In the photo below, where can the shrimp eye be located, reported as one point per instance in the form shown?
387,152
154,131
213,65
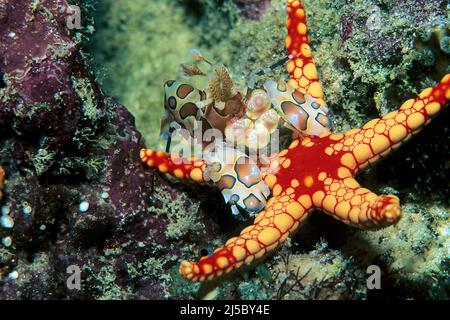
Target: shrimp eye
206,251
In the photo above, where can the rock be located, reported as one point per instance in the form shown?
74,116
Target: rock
252,9
64,145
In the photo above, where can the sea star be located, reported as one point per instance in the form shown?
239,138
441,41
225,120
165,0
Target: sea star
314,172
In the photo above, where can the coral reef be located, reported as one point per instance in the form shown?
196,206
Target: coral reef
409,52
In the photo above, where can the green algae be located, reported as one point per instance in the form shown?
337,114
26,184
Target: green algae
180,212
42,161
178,287
41,267
101,279
414,251
150,268
86,94
142,44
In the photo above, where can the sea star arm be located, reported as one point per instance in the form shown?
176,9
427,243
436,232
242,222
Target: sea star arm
281,217
302,68
360,147
347,201
342,196
182,168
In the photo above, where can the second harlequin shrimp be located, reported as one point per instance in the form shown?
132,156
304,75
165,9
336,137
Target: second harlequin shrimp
237,176
301,112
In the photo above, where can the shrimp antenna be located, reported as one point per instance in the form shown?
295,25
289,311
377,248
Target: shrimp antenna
199,56
266,70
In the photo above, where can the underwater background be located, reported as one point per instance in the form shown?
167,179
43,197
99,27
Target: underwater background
77,194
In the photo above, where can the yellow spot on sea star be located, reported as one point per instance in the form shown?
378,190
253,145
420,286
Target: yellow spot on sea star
308,181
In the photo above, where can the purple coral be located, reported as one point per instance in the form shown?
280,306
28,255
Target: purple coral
64,143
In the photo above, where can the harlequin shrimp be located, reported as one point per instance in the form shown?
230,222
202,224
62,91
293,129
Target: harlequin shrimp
243,123
193,109
278,104
233,172
301,112
238,177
